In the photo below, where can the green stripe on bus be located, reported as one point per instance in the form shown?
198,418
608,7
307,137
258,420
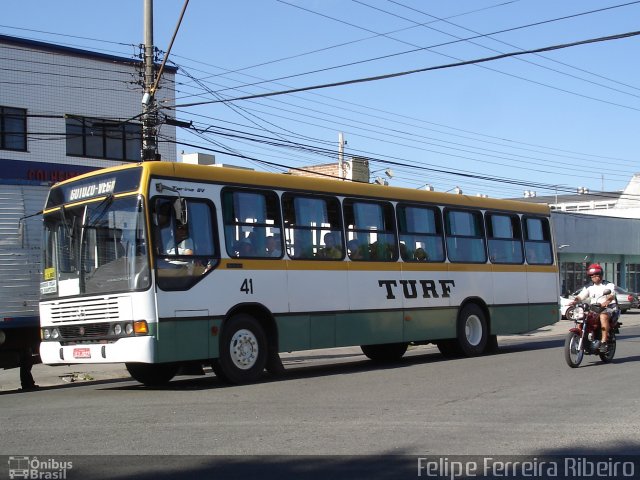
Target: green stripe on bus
187,339
194,339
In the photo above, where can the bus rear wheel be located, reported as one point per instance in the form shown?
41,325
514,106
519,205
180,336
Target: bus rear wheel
152,374
243,350
389,352
473,331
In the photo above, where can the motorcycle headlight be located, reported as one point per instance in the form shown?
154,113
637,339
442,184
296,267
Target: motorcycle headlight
578,313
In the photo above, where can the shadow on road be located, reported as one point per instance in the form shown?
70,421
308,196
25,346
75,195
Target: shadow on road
301,366
572,462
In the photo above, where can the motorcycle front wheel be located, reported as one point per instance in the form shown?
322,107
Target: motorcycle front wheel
608,357
572,354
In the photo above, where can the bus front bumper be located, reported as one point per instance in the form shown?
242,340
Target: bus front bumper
125,350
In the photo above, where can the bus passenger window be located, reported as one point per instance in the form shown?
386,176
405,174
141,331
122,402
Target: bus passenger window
504,238
251,218
373,225
313,227
465,236
420,231
537,241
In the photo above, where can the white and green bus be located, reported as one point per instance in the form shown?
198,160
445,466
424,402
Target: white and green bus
164,265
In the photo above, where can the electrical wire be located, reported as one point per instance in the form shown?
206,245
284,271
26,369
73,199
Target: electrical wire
387,76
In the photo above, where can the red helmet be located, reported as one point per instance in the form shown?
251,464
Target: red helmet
594,269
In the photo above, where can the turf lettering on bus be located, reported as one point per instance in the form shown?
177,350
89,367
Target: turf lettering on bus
430,289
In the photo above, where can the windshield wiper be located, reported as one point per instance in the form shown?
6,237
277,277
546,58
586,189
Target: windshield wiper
67,228
104,204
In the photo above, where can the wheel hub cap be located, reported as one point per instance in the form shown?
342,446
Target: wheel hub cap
244,349
473,330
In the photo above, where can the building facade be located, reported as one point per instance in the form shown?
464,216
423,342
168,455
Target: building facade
597,227
355,169
63,111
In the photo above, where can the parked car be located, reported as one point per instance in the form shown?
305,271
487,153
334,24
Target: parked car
625,300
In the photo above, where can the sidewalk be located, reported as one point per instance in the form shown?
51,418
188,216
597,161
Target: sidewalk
51,376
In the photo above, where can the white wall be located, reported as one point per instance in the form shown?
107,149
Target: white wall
60,82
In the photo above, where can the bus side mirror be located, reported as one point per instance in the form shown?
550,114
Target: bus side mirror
182,214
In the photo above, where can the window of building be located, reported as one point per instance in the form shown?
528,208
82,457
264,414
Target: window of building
465,236
420,232
371,232
573,276
250,218
313,227
97,138
13,129
633,277
504,238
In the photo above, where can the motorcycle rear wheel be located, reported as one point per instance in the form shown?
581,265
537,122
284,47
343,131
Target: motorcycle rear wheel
608,357
572,354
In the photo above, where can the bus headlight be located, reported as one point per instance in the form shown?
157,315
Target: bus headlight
117,329
128,329
46,334
55,334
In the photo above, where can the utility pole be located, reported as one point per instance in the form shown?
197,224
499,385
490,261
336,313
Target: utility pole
149,110
341,156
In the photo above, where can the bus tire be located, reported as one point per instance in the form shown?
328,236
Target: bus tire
152,374
243,350
388,352
473,331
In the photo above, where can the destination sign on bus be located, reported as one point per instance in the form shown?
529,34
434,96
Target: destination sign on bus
97,186
92,190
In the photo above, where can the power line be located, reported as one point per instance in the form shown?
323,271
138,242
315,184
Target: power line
511,143
462,174
323,49
419,48
489,48
446,20
231,133
426,69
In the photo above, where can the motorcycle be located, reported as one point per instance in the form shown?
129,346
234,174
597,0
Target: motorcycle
585,336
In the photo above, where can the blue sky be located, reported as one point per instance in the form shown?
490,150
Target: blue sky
568,119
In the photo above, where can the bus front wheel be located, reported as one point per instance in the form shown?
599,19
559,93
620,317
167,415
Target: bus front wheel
243,350
473,331
152,374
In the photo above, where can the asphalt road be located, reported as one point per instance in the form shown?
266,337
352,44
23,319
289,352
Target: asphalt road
523,400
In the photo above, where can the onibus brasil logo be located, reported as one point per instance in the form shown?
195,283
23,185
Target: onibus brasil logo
35,468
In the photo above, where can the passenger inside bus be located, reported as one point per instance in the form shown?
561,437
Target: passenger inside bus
355,250
273,246
331,247
243,248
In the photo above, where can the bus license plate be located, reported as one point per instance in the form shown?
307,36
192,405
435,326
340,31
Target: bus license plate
81,353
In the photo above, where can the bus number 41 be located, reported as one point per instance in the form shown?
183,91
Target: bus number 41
247,286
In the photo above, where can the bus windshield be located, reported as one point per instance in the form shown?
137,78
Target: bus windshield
95,248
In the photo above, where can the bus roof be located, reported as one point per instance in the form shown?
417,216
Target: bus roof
251,178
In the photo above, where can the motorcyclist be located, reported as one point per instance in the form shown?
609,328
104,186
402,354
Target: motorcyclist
595,290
